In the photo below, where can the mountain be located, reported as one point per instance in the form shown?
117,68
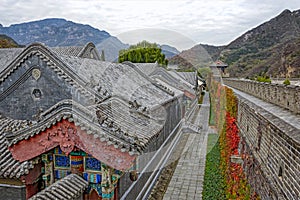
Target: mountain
111,47
201,55
60,32
7,42
270,49
168,50
54,32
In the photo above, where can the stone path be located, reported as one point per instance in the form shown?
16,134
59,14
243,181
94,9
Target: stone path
187,180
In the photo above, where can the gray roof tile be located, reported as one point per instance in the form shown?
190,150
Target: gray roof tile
69,51
190,77
70,187
118,80
9,167
171,78
127,125
7,56
147,68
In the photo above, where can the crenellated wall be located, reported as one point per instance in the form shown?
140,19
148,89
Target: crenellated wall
270,147
286,96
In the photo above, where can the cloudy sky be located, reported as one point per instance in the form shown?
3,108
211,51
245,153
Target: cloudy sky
181,23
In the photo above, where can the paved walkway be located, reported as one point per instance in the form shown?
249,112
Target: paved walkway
187,180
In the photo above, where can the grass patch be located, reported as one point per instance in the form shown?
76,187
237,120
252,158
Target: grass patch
213,188
211,113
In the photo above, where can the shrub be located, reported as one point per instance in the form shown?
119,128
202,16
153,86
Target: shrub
264,79
286,82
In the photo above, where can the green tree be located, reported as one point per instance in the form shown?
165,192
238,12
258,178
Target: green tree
143,52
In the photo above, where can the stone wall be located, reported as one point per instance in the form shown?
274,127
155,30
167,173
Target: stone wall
11,192
174,110
22,96
282,95
271,150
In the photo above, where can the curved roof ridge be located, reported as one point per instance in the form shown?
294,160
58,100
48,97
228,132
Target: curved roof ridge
53,61
87,119
133,66
85,47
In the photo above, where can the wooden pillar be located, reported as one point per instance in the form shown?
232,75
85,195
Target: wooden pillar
32,180
48,176
107,185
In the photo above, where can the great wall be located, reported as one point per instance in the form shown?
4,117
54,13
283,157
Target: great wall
269,125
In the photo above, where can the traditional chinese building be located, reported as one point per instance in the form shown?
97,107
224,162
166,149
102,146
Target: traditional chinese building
72,126
221,66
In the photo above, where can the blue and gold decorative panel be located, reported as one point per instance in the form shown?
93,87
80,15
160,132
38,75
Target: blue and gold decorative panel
57,150
76,160
92,178
92,164
59,174
62,161
109,195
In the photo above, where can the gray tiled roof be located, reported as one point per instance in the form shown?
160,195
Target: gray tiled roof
180,77
188,76
147,68
70,187
172,80
129,127
142,125
69,51
117,80
9,167
174,88
7,56
129,99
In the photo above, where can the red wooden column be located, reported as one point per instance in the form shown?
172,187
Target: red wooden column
32,180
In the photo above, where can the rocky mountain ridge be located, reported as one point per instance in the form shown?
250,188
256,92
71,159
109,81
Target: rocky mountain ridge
60,32
271,49
54,32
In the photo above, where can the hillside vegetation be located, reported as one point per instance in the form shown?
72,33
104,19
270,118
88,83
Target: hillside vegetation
7,42
271,49
201,55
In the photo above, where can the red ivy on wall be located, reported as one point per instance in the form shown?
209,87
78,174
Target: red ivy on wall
236,186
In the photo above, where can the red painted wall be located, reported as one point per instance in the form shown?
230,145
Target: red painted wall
66,135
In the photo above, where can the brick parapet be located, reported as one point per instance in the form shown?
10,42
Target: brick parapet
272,164
285,96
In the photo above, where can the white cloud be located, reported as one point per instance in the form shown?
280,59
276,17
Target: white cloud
214,22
